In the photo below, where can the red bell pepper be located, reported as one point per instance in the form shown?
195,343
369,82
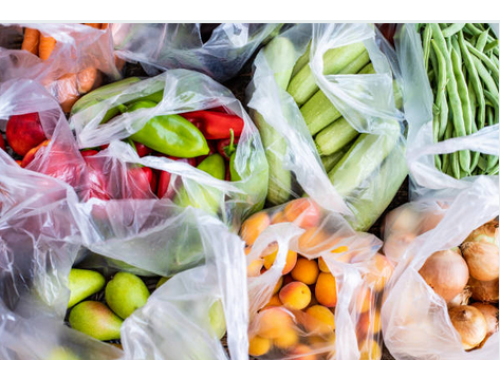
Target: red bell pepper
88,153
2,143
140,182
227,147
164,177
215,125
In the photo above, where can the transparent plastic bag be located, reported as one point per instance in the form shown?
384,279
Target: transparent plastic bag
183,91
342,319
415,319
160,47
365,101
418,105
81,55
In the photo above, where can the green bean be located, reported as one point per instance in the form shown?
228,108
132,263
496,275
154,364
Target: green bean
491,99
490,46
485,76
489,63
474,79
437,162
489,115
435,124
452,29
427,44
481,40
447,157
455,165
456,46
473,104
473,29
440,102
491,162
482,163
494,172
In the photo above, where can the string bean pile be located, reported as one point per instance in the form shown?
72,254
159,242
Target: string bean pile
461,60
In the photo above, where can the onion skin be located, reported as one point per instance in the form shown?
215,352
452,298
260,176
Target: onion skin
462,298
490,313
487,233
484,291
446,272
482,259
470,324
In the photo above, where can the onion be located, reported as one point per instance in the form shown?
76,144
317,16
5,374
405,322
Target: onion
446,272
482,259
462,298
396,243
490,313
487,233
484,291
470,324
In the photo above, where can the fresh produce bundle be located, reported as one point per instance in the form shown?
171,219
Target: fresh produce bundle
462,66
442,302
315,285
160,47
202,147
336,122
68,59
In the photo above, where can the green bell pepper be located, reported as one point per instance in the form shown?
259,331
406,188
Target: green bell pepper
170,134
214,165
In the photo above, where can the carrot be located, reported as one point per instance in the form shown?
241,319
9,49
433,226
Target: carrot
31,40
86,79
94,25
66,91
47,45
104,26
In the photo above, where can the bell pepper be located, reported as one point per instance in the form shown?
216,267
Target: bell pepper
214,165
2,143
140,179
215,125
228,146
164,176
212,150
169,134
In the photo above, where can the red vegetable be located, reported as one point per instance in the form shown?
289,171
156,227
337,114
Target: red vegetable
24,132
164,177
89,153
142,150
2,143
227,147
215,125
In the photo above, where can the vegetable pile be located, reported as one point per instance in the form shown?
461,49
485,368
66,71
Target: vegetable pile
461,60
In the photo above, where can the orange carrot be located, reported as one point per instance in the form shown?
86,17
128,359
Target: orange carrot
47,45
104,26
94,25
66,91
31,40
86,79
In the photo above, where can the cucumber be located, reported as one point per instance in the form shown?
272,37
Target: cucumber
335,137
280,55
331,160
362,159
303,85
319,111
302,61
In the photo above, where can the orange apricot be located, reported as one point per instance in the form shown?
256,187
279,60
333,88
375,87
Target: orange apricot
370,350
278,217
254,226
304,212
274,301
319,320
287,340
301,352
296,295
364,300
380,272
368,324
316,240
274,322
322,265
258,346
326,290
278,285
291,259
305,271
253,269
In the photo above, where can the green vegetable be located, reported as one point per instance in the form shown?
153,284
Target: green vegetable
303,85
330,161
319,111
334,137
214,165
170,134
302,61
452,29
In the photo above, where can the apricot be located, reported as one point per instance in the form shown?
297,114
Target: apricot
380,272
322,265
253,269
278,285
254,226
301,352
319,320
291,260
316,240
303,212
305,271
368,324
248,250
258,346
274,322
370,350
326,290
296,295
287,340
278,217
274,301
364,300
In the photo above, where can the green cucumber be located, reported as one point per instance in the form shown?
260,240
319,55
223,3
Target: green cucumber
334,137
331,160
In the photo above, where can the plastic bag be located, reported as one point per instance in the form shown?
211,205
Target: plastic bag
179,46
183,91
415,319
342,319
81,55
365,101
418,103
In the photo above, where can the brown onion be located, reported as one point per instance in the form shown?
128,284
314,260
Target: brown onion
490,313
487,233
446,272
470,324
482,259
484,291
462,298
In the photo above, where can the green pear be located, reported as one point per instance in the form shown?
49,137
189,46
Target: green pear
96,320
126,293
83,283
162,281
217,319
61,353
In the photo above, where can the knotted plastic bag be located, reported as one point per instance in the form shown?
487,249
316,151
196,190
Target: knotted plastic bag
160,47
365,180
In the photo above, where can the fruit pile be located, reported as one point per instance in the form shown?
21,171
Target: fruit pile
297,320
